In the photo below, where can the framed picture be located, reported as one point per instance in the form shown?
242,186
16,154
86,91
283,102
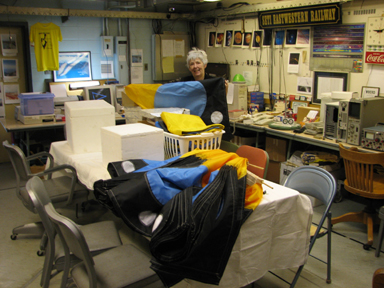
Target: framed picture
211,38
237,38
327,82
228,38
257,39
219,39
267,39
247,39
297,104
369,92
73,66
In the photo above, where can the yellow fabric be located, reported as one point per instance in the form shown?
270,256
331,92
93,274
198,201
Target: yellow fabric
216,158
181,124
46,37
142,94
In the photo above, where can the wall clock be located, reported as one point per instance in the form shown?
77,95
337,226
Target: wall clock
375,31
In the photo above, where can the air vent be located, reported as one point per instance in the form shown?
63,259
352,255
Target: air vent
106,68
364,12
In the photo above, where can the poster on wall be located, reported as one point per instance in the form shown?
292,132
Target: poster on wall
304,85
10,70
303,37
211,38
237,38
257,39
9,44
228,38
247,39
219,39
293,62
73,66
2,107
279,38
11,93
267,39
291,37
137,57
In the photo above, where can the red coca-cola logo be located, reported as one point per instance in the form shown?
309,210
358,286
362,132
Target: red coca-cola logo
374,57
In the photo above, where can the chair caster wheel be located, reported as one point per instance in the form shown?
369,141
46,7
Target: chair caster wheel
13,237
366,246
40,253
328,281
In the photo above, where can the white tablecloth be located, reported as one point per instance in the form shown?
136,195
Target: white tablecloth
275,236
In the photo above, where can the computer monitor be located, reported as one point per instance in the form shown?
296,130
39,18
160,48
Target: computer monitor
218,70
102,92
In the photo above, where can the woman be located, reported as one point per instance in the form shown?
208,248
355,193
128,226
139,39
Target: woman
197,61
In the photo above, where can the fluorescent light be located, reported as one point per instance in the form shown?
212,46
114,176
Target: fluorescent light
79,85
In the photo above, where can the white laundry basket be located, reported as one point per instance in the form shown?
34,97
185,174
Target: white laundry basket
175,145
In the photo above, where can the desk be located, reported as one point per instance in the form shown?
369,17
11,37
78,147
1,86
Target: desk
12,125
275,236
292,136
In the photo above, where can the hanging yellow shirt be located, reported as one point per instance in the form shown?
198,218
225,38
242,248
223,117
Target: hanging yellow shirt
46,37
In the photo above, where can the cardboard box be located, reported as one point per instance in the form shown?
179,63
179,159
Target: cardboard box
273,173
287,167
303,112
276,148
84,120
132,141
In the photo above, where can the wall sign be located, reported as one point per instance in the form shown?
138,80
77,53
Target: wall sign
374,57
301,16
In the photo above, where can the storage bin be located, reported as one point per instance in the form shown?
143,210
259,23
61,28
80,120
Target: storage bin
132,141
175,145
36,103
84,120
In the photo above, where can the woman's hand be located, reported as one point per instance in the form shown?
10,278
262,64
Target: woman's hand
226,87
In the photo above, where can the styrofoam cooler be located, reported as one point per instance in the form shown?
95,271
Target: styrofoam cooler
132,141
84,120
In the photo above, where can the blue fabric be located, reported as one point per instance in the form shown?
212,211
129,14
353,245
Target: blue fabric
190,95
154,164
165,183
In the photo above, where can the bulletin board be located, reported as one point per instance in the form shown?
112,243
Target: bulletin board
169,56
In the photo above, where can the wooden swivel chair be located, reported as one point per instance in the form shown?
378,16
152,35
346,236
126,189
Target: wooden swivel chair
362,180
63,191
123,266
258,159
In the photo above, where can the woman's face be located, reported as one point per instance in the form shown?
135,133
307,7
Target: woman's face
197,68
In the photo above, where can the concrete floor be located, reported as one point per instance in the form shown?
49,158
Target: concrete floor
352,266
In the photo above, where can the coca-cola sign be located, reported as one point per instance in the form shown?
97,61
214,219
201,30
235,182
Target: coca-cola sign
374,57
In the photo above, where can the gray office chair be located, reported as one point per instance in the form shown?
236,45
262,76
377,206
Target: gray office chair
320,184
101,236
63,191
123,266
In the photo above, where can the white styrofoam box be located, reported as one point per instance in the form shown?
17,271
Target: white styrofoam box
83,122
132,141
